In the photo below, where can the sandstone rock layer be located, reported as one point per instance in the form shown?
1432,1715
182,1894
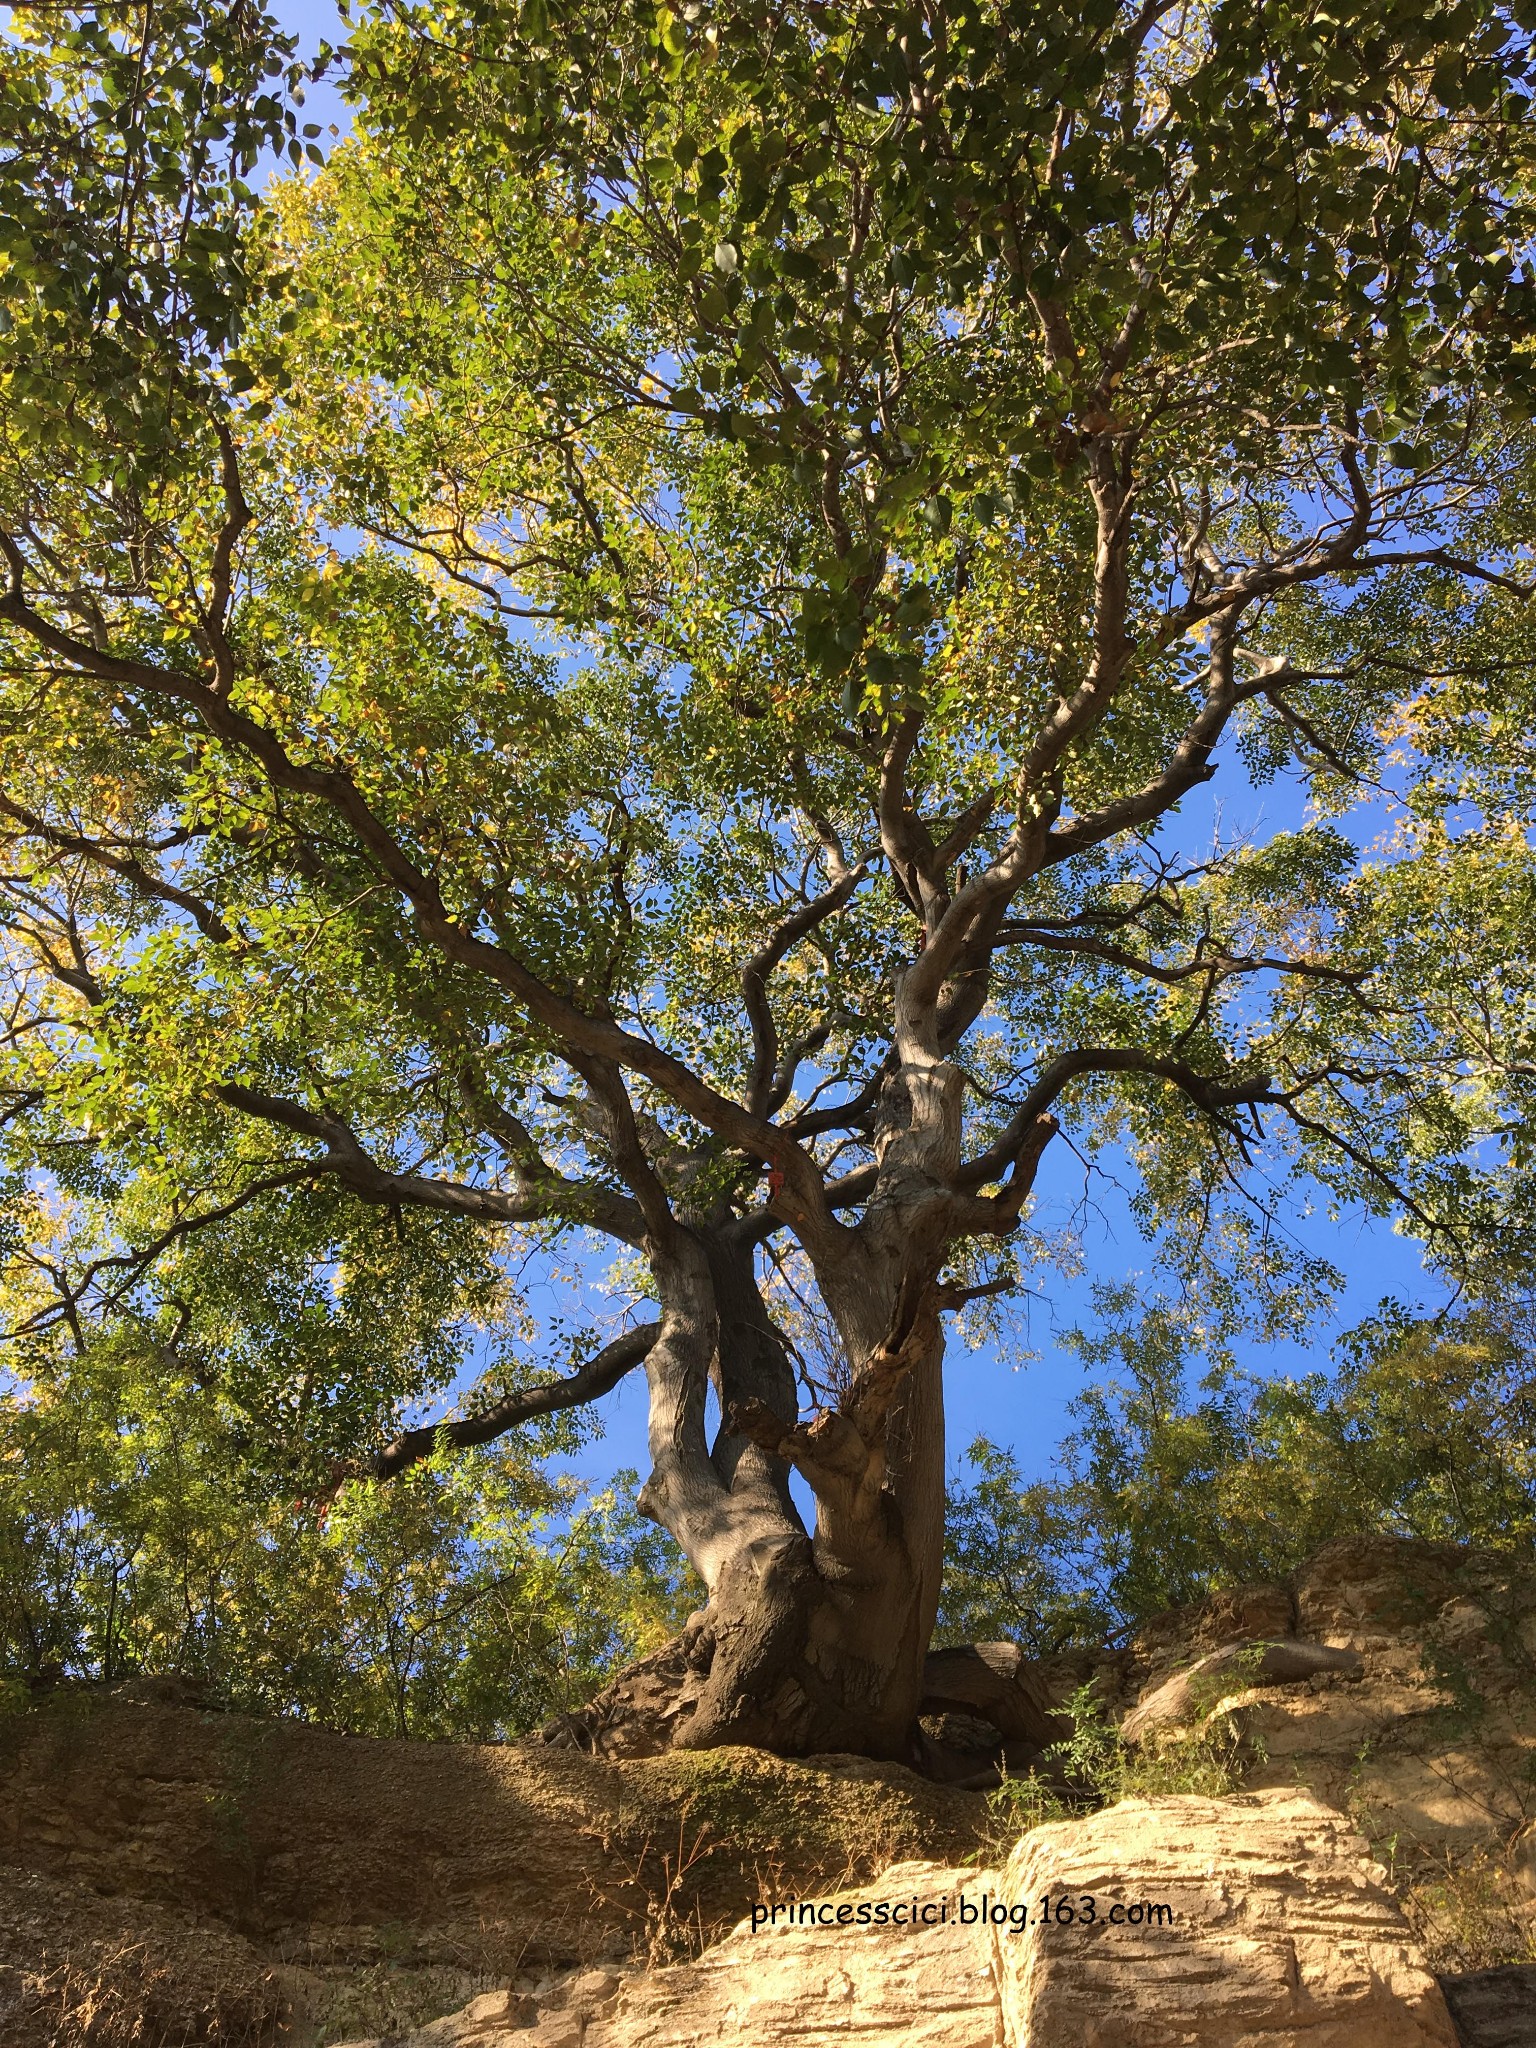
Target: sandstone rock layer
1280,1933
1190,1693
338,1849
850,1984
1269,1927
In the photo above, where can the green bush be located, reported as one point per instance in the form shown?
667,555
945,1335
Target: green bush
1094,1766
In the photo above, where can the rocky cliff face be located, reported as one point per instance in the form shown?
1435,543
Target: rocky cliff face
1279,1930
338,1847
353,1876
238,1866
1420,1723
1254,1922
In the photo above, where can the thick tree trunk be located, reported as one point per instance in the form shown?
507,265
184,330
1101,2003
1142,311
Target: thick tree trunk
816,1642
798,1651
812,1640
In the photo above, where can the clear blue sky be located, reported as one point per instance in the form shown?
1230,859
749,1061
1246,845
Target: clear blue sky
1025,1406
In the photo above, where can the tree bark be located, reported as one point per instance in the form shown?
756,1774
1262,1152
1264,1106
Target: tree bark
811,1640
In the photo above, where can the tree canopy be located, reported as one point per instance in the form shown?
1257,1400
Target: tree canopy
626,669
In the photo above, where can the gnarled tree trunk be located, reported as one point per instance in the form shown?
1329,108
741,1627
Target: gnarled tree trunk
812,1640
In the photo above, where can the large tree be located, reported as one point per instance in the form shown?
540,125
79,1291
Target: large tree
632,663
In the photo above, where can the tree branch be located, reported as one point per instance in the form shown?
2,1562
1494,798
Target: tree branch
1216,966
1190,763
1207,1094
143,879
237,519
754,981
345,1159
597,1377
578,1033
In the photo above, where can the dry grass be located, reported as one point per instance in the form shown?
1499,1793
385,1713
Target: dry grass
359,2001
1467,1913
129,1997
81,1971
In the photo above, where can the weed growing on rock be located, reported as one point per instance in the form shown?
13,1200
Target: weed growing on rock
1014,1808
123,1996
1095,1766
658,1893
349,2002
1101,1766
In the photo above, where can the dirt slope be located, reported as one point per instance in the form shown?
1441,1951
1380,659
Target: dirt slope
337,1848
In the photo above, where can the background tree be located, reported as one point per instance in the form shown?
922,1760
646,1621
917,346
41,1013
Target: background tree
1165,1492
621,669
167,1496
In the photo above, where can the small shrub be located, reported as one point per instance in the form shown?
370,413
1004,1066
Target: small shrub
1101,1766
1015,1807
1465,1915
1095,1766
